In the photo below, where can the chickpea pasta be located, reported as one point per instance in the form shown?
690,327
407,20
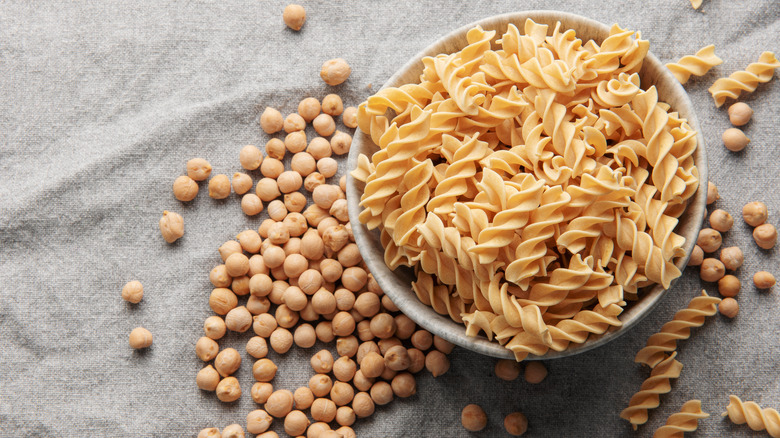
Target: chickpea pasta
648,396
745,80
534,189
687,420
740,412
697,65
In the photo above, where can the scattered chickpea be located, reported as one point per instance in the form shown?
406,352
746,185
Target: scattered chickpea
709,240
264,370
507,369
712,270
735,140
295,202
261,391
712,193
295,423
721,220
133,292
347,346
343,183
332,105
765,236
732,258
324,330
294,16
271,121
206,348
219,186
198,169
251,204
303,397
250,157
322,362
228,390
335,71
304,336
258,421
207,378
286,317
535,372
214,327
516,424
372,365
323,409
171,226
279,403
309,108
281,340
728,307
219,276
303,163
437,363
343,323
295,141
443,345
209,432
740,113
754,213
763,280
416,359
697,255
344,369
264,325
316,430
340,143
324,126
227,361
257,305
345,432
405,327
349,255
345,416
294,122
229,248
473,418
350,117
289,181
342,393
313,180
275,149
269,434
319,148
242,183
222,300
320,385
328,167
728,286
361,382
257,347
140,338
185,188
237,264
233,431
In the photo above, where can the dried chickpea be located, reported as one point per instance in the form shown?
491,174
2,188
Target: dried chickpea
422,339
365,348
267,190
258,421
362,405
443,345
712,193
281,340
340,143
345,416
304,336
331,269
210,432
372,365
207,378
294,298
381,393
323,410
296,224
250,157
285,317
728,286
276,210
324,125
734,139
229,248
354,278
335,71
316,430
219,186
363,328
257,264
227,361
349,255
271,121
343,323
386,344
347,346
293,123
264,325
314,214
228,390
275,148
303,397
261,391
308,314
383,325
709,240
295,202
295,265
206,348
257,347
507,369
214,327
185,188
324,331
404,385
473,418
322,362
732,258
274,256
437,363
222,300
295,141
754,213
237,264
271,168
250,242
350,117
712,270
367,304
171,226
332,105
219,276
345,299
240,285
740,113
389,305
343,183
361,382
515,424
251,204
763,280
319,148
344,369
279,403
269,434
405,327
278,234
335,238
264,370
257,305
294,16
242,183
198,169
721,221
320,385
728,307
238,319
260,285
140,338
345,432
697,255
133,292
535,372
416,360
339,211
312,181
342,393
295,423
397,358
310,280
233,431
289,181
309,108
765,236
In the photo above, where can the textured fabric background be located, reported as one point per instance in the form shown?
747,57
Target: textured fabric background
102,103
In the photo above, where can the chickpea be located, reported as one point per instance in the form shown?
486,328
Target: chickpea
206,348
233,431
345,416
364,329
314,214
227,361
281,340
734,139
721,221
257,264
316,430
257,347
309,108
339,211
324,331
171,226
296,423
349,255
251,204
335,71
728,307
308,314
345,299
238,319
313,180
729,286
709,240
372,365
304,336
327,166
765,236
295,202
271,168
237,264
732,258
264,324
303,397
240,285
219,186
295,265
294,123
267,190
507,369
286,317
362,405
754,213
140,338
712,270
443,345
278,234
242,183
324,126
347,346
763,280
381,393
323,409
250,157
437,363
210,432
269,434
250,242
350,117
515,423
345,432
185,188
274,256
712,193
295,141
257,305
229,248
322,362
397,358
473,418
740,114
342,393
261,391
271,121
228,390
260,285
258,421
365,348
361,382
535,372
416,360
198,169
214,327
222,300
343,323
207,378
275,148
405,327
133,292
422,339
332,105
309,281
340,143
303,163
343,183
219,276
383,325
320,385
279,403
294,16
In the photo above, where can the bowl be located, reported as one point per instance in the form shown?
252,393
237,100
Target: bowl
397,283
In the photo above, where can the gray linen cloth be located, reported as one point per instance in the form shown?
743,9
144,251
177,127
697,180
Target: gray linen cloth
102,103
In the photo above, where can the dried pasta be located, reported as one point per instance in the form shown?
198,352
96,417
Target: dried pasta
745,80
696,4
697,65
534,188
687,420
665,341
648,396
740,412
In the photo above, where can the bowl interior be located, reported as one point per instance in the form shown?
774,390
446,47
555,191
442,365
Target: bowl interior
397,284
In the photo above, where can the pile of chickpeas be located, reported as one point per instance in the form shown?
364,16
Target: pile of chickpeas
710,240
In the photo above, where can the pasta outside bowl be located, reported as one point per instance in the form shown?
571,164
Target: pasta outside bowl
397,283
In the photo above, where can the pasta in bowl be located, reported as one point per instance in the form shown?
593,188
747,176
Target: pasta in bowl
528,186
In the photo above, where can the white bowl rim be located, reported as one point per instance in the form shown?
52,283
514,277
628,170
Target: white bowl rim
443,326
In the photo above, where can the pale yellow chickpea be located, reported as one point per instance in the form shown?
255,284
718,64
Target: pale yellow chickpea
294,298
308,314
237,264
734,139
381,393
133,292
250,242
367,304
309,108
364,330
269,434
271,168
222,300
709,240
712,193
185,188
228,390
281,340
443,345
372,365
267,190
343,183
362,405
516,424
264,370
303,163
209,432
343,324
728,307
304,336
207,378
274,256
271,121
258,421
295,202
289,181
294,265
712,270
303,397
264,325
219,186
295,423
324,331
342,393
294,17
319,148
345,299
416,360
275,149
473,418
296,224
286,317
721,221
327,166
323,409
535,372
257,347
219,276
754,213
240,285
258,305
279,403
250,157
350,117
732,258
345,416
697,255
214,327
198,169
728,286
340,212
340,143
278,234
140,338
261,391
227,361
324,125
320,385
293,246
233,431
437,363
251,204
317,429
314,214
295,141
344,368
347,346
260,285
332,105
740,114
294,122
335,71
312,181
257,264
206,348
242,183
229,248
324,195
397,358
765,236
310,281
763,280
171,226
349,255
238,319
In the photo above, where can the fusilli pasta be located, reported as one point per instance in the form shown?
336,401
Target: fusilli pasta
740,412
687,420
648,396
745,80
697,65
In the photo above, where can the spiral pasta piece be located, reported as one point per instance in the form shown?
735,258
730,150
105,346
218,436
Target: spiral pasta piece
745,80
740,412
648,396
697,65
687,420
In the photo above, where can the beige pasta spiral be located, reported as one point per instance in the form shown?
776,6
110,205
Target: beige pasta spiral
648,396
745,80
740,412
665,341
687,420
697,65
